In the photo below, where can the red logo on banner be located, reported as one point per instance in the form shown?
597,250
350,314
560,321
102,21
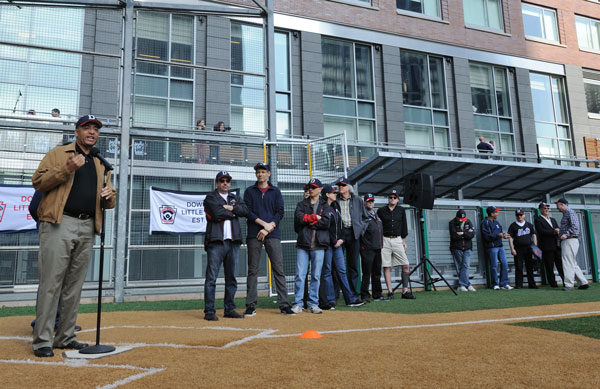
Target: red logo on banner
167,214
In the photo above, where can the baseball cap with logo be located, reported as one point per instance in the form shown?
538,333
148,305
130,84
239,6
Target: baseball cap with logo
328,189
491,209
315,183
262,165
519,211
393,192
223,173
369,197
544,204
88,119
343,181
461,215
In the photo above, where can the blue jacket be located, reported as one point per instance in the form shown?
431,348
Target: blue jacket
268,207
490,232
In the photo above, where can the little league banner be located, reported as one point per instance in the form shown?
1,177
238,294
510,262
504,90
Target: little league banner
177,212
14,208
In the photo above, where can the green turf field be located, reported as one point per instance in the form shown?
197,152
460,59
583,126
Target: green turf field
426,302
585,326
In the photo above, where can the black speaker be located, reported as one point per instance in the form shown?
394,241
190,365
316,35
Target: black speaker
419,190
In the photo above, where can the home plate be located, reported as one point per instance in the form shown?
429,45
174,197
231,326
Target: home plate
75,354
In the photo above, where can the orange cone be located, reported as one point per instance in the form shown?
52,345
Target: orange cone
311,334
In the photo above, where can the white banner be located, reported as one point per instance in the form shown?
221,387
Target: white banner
177,212
14,208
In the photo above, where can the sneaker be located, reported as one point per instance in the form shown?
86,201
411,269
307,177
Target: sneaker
314,309
507,287
327,307
297,309
408,295
568,288
471,289
384,298
233,315
357,303
462,289
287,310
250,311
366,300
390,296
584,286
211,317
496,287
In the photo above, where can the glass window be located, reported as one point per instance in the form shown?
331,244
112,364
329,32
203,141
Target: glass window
247,92
588,33
283,84
424,99
484,13
540,22
550,114
348,101
592,96
164,94
490,97
426,7
37,79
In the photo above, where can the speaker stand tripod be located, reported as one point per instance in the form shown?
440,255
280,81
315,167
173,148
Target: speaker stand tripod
425,263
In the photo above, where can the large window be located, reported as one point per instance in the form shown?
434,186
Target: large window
484,13
490,97
36,79
592,97
424,99
540,23
550,114
164,94
426,7
348,97
588,33
283,84
247,92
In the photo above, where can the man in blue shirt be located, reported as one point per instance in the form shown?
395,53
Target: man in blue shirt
491,232
569,244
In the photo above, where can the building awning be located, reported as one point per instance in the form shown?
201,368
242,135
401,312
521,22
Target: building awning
477,178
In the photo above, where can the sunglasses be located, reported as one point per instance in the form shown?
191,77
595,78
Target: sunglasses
223,180
393,198
340,184
520,214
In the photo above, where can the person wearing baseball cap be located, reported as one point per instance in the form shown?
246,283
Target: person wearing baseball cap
351,210
393,253
569,244
491,232
371,243
265,211
462,232
520,237
311,223
222,242
547,231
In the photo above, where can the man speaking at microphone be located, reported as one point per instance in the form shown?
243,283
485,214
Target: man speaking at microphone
70,213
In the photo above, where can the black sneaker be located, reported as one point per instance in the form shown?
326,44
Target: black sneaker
408,295
390,296
357,303
383,298
287,310
233,315
585,286
211,317
366,300
250,311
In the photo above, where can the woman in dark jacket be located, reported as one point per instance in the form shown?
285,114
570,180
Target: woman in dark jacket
311,223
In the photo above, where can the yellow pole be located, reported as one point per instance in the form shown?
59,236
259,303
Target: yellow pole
309,163
268,259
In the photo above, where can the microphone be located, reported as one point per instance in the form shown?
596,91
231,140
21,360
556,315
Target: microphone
94,152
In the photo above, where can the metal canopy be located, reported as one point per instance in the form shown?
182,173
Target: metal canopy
479,179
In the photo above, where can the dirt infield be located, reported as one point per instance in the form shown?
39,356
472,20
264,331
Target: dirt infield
358,349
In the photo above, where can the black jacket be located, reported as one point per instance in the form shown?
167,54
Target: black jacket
216,216
305,230
335,224
547,238
357,208
464,241
372,237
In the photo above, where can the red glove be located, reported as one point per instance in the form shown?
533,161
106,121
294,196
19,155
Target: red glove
310,219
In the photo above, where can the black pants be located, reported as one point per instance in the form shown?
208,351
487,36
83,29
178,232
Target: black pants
371,273
524,254
552,258
352,249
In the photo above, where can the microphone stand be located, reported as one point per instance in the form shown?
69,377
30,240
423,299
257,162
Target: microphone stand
100,348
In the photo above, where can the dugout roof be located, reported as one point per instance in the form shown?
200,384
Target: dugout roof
479,179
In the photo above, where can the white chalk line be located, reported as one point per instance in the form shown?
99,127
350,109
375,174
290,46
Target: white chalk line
78,363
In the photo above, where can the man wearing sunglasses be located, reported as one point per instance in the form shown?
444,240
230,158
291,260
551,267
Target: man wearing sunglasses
547,230
520,237
222,243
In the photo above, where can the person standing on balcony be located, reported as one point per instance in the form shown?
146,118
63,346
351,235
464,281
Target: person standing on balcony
69,213
351,211
222,243
484,147
520,237
265,211
393,253
547,231
462,233
569,244
491,232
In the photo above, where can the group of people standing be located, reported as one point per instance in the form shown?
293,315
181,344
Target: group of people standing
558,245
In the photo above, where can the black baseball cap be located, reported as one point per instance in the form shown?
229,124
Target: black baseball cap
262,165
519,211
343,180
315,183
328,189
543,204
88,119
562,200
393,192
369,197
491,209
223,173
461,215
